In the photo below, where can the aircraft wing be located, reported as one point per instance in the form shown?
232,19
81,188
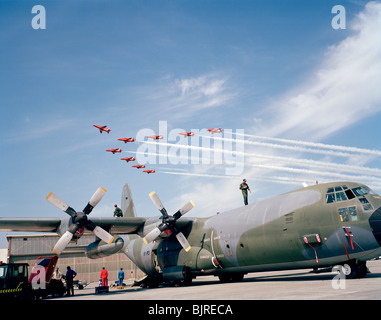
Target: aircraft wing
131,225
115,225
30,224
126,225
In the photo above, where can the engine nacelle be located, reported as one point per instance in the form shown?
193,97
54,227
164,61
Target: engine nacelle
142,255
97,250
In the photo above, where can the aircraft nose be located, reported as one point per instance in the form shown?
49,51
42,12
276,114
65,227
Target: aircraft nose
375,224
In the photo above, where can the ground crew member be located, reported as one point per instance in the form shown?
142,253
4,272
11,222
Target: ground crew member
70,275
244,187
104,276
121,276
118,212
57,274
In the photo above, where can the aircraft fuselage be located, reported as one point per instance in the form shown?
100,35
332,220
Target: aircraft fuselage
313,227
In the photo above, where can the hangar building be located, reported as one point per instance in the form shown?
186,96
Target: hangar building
29,248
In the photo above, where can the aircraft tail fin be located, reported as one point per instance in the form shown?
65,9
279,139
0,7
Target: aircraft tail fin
127,204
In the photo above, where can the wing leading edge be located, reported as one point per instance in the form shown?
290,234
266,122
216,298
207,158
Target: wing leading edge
115,225
128,225
30,224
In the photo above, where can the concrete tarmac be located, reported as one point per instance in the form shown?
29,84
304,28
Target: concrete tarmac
279,285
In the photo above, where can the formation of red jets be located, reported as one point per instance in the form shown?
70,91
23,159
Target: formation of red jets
154,137
125,140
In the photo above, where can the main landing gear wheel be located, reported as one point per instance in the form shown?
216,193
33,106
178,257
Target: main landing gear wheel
231,277
355,269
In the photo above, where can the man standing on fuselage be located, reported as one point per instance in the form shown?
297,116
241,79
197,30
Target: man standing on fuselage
244,187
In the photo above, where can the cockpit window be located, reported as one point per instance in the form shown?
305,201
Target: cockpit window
343,193
369,190
353,213
330,197
360,191
348,214
340,196
366,205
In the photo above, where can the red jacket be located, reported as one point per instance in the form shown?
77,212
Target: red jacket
104,273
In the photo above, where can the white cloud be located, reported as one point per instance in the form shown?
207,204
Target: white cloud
182,97
345,88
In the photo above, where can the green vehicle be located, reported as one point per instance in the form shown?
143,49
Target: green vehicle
14,281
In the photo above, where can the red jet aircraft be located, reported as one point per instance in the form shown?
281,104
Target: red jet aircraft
155,137
149,171
219,130
125,140
114,150
102,128
139,166
128,159
187,134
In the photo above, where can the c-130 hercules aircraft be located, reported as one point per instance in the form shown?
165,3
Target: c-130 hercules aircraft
319,226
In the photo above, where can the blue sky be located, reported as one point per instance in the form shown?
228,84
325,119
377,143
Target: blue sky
275,69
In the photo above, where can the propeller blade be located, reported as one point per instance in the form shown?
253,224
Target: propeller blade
63,242
94,200
183,241
157,202
169,222
103,234
184,209
152,235
60,204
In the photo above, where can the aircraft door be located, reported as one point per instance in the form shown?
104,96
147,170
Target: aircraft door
212,246
223,248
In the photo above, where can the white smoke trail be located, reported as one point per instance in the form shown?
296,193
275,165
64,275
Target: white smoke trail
284,147
316,174
361,151
304,162
281,180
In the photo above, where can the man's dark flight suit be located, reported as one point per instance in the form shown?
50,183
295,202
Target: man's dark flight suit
244,187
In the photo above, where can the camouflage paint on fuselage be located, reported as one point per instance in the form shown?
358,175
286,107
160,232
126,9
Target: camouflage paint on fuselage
298,229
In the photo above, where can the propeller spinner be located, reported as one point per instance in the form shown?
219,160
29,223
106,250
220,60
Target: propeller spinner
169,222
79,219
